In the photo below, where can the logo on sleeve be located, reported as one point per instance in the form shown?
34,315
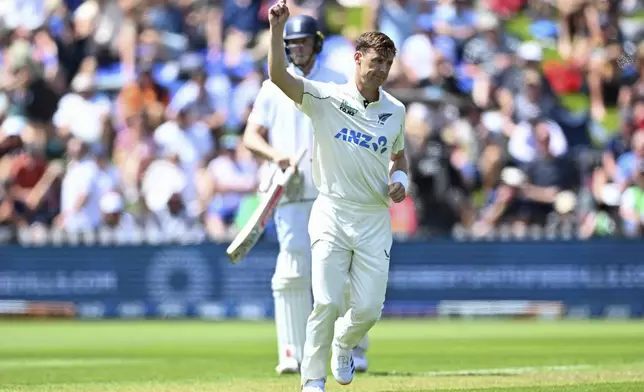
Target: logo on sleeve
382,118
346,108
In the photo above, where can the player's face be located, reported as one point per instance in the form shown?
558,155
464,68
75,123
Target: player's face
300,50
373,67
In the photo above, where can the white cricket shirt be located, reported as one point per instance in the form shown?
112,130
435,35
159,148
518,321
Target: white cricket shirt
353,143
288,128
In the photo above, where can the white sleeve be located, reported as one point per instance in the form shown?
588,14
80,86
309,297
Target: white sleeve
262,108
558,144
315,96
518,146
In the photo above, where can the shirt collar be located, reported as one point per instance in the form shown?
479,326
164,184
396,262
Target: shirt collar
353,90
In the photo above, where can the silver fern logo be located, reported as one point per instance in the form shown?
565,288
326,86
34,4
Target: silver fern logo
382,118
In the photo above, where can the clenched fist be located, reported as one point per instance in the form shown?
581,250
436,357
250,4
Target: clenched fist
278,14
397,192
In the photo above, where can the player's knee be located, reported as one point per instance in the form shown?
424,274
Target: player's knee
293,283
327,307
367,314
293,272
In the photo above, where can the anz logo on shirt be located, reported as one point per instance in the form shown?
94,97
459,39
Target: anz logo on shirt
362,140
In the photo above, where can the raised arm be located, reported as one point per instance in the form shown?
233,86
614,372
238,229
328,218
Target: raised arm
292,86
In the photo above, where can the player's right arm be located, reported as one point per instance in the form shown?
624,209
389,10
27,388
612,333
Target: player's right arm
259,122
291,85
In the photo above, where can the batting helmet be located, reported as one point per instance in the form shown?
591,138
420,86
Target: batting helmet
303,26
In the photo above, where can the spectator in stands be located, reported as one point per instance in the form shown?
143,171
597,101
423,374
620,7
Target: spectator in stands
616,147
202,101
531,101
167,199
134,150
546,176
442,195
393,16
632,205
32,186
7,212
511,82
579,30
80,192
456,20
144,96
111,30
109,177
114,216
83,113
607,77
636,90
30,95
629,163
487,56
191,141
523,145
425,60
233,174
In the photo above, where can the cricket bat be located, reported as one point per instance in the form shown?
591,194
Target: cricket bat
254,228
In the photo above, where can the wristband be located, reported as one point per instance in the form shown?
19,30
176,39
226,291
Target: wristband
401,177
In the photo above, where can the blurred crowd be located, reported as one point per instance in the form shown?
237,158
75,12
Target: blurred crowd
128,114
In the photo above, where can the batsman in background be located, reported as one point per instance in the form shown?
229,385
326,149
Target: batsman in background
276,131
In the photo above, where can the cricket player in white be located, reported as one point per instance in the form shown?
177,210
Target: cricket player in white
358,165
277,130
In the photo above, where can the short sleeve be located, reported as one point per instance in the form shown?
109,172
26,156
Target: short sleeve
315,95
261,113
399,143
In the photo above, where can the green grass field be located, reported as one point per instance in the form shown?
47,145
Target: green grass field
507,356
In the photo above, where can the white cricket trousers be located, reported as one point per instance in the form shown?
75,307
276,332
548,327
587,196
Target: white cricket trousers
347,241
291,281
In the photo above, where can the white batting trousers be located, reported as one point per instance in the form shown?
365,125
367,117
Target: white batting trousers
291,281
347,242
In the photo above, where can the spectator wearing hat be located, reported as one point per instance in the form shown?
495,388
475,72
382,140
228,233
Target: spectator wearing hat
232,175
113,214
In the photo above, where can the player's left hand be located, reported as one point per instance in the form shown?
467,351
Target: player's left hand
397,192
